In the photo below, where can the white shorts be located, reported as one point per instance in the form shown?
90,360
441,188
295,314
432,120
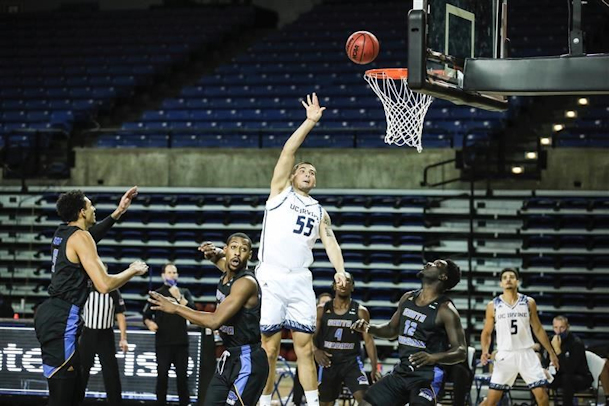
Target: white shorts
508,364
288,299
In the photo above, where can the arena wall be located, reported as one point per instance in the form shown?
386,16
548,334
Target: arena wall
391,168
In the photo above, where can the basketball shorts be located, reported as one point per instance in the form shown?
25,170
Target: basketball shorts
350,372
398,389
240,377
288,299
58,326
508,364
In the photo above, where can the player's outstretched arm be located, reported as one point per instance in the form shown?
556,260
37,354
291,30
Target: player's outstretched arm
487,331
449,317
243,290
335,254
99,230
540,333
389,330
82,244
363,314
214,254
283,168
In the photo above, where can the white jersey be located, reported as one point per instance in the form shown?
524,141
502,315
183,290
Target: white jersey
289,231
512,324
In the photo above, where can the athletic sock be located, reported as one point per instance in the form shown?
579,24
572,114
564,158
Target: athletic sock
312,398
265,400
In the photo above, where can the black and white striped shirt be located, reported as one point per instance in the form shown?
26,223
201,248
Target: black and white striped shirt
100,309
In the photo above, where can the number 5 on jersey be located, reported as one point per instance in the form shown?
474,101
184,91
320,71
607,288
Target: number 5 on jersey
514,327
303,229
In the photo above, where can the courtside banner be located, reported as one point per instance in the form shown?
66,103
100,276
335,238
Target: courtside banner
21,365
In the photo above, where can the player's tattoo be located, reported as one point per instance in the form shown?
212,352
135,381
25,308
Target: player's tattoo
329,232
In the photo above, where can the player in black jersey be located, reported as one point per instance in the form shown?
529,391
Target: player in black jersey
429,332
338,348
243,368
75,266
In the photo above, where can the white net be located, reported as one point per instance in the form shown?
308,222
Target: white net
405,110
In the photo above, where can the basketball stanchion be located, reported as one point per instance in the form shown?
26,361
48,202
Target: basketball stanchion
404,109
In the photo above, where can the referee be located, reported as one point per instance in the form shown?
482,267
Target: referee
98,338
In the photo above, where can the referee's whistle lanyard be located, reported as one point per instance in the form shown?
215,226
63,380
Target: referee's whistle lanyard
222,362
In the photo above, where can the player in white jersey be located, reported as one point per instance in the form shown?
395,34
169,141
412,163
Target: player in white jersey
513,316
293,222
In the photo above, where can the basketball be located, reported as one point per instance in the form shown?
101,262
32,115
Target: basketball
362,47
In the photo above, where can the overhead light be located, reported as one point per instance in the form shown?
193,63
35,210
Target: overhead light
558,127
517,170
582,101
530,155
570,113
545,141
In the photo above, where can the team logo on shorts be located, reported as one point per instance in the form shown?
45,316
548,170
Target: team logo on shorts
232,398
427,394
362,380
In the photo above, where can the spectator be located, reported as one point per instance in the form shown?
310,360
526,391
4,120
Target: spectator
574,374
171,339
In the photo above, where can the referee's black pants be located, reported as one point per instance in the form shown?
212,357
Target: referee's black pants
101,342
178,356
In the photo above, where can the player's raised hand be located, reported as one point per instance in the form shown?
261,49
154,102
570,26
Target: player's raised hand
361,326
140,267
340,279
209,250
125,202
314,111
162,303
323,358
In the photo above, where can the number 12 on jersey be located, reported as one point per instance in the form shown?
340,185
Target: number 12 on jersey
302,228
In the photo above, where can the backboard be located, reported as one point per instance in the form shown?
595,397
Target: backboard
443,34
456,51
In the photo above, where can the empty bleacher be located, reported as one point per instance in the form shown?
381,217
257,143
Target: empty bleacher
385,237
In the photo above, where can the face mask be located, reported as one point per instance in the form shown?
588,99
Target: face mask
171,282
563,335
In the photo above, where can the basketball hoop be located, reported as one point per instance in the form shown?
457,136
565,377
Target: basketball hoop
404,109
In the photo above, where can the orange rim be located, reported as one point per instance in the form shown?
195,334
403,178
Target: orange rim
397,73
388,73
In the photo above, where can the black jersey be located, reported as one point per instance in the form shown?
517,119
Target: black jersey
69,281
418,330
336,336
244,327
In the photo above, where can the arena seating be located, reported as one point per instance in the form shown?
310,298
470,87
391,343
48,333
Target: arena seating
60,70
565,270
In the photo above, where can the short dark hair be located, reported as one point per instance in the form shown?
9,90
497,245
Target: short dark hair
168,264
240,235
295,167
70,204
454,275
513,270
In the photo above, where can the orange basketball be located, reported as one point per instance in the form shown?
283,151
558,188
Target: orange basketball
362,47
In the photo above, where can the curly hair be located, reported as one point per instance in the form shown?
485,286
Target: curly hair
454,275
70,204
